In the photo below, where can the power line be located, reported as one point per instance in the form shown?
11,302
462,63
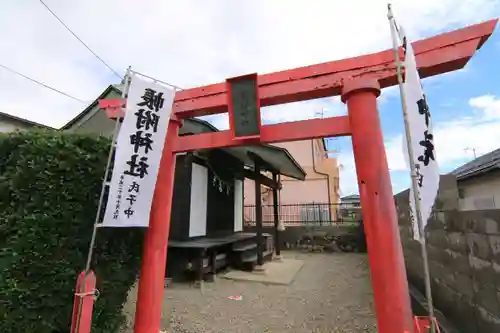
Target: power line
81,41
42,84
100,59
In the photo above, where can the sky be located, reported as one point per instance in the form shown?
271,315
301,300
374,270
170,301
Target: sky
191,43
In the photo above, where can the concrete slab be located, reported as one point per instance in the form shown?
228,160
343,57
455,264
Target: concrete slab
274,272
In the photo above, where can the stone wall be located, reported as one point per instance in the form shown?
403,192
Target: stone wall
464,259
292,234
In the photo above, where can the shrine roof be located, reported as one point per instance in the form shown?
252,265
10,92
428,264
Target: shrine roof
274,158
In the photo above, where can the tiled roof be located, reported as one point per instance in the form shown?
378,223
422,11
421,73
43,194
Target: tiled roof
351,197
26,121
480,165
116,87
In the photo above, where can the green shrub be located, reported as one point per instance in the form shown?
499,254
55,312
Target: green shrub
49,189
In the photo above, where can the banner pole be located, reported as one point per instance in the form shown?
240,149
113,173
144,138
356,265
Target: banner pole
414,175
126,85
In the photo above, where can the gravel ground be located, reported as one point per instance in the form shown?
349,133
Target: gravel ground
331,293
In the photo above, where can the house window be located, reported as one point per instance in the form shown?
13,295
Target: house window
318,152
484,203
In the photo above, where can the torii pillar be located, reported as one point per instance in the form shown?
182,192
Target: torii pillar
387,266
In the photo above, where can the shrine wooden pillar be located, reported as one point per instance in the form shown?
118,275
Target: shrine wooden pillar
385,253
276,215
258,212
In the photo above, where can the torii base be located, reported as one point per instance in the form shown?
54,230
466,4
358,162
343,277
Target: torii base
423,325
81,319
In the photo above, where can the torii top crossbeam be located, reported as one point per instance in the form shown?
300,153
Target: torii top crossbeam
435,55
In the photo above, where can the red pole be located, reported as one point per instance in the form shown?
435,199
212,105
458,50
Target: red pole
154,258
385,254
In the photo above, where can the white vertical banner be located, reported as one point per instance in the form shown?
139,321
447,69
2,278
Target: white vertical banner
138,153
422,139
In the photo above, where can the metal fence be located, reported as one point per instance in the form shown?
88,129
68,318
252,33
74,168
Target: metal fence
321,214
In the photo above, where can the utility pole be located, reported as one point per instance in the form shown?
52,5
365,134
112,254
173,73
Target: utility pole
473,151
320,114
331,151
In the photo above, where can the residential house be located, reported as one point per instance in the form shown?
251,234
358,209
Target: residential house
316,198
351,201
93,120
478,182
322,181
350,207
472,186
10,123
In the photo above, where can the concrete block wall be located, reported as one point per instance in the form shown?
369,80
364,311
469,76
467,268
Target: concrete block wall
292,234
464,260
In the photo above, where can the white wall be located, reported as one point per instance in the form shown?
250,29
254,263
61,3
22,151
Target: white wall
481,192
238,205
98,124
10,125
198,204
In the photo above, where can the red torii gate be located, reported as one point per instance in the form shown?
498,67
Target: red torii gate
358,80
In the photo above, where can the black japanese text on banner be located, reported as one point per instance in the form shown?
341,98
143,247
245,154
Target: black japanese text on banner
422,139
138,154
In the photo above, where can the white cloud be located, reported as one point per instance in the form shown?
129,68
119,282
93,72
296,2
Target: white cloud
319,108
348,178
191,43
488,104
454,140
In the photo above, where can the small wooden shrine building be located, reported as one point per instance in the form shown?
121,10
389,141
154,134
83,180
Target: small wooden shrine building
206,228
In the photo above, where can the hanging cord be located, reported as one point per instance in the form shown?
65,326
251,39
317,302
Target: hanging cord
156,80
44,85
209,166
280,208
79,39
101,199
